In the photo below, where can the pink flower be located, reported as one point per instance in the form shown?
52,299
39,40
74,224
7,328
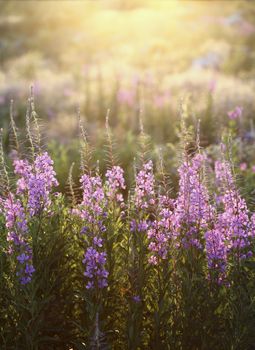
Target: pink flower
253,168
153,260
235,113
243,166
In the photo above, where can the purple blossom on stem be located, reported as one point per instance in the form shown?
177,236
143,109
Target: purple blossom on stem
236,227
136,299
93,211
235,113
95,268
94,201
216,252
143,198
160,232
144,189
193,211
37,181
115,182
16,224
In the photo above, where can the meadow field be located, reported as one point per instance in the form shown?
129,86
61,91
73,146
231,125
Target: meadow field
127,164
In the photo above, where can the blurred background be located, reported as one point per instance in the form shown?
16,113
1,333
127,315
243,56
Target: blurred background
131,56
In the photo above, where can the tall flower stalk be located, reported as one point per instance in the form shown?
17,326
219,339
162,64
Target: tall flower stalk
193,211
92,211
18,238
235,224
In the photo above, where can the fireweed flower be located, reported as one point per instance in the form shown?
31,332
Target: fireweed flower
160,232
95,271
142,204
144,189
33,187
192,208
115,183
94,202
236,227
36,181
93,211
235,113
243,166
216,252
197,218
16,223
143,198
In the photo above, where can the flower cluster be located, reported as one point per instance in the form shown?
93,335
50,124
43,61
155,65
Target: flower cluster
160,232
143,198
17,227
92,210
33,190
232,228
36,181
95,267
115,182
216,252
144,189
235,113
234,220
223,230
94,201
193,211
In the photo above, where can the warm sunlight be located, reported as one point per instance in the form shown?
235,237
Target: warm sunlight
127,175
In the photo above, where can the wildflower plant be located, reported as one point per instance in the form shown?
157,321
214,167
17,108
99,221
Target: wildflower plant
118,267
34,233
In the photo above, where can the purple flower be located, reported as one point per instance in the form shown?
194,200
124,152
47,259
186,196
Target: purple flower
216,252
160,232
16,223
143,199
34,188
94,200
136,298
37,181
23,258
115,182
235,225
98,241
92,211
235,113
95,268
193,211
144,189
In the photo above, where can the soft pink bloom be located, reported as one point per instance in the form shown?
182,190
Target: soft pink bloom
153,260
235,113
243,166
